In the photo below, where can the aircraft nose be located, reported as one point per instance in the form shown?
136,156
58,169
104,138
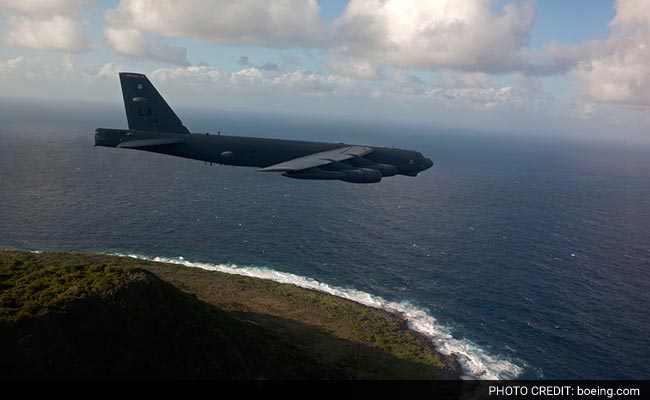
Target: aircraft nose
427,164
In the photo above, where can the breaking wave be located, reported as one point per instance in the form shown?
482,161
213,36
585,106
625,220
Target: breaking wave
475,361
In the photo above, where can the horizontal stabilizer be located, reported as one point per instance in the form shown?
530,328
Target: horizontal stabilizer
134,144
319,159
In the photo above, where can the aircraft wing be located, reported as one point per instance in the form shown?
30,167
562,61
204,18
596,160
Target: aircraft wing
134,144
319,159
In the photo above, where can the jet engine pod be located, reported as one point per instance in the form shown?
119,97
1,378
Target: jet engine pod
387,169
362,175
314,174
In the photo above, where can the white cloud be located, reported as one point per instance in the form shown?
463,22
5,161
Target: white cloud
46,25
40,7
292,89
480,98
21,64
278,23
134,43
130,42
299,82
459,91
306,81
34,68
355,69
129,26
617,69
191,76
631,13
461,34
246,77
109,70
395,86
56,33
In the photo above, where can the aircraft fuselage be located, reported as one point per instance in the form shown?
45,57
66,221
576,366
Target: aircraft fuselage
252,151
155,127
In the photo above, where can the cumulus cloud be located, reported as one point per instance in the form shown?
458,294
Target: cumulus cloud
277,23
21,64
617,69
307,81
458,90
42,7
134,43
33,68
190,76
472,90
461,34
354,68
481,98
395,86
46,25
302,81
109,70
57,33
36,68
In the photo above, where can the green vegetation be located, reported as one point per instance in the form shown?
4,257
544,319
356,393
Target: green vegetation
98,316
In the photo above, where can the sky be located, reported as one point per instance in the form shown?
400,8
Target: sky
551,67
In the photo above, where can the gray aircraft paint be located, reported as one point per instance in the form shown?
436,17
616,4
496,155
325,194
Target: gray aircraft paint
154,127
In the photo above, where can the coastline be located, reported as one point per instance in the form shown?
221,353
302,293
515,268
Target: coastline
474,362
329,328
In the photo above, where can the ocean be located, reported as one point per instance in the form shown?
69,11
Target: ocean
528,257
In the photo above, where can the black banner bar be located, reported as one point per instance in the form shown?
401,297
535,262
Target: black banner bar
335,390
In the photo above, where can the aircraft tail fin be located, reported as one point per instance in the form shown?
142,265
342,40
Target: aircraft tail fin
146,110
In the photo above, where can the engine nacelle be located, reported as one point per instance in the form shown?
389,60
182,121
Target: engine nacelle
387,169
362,175
359,175
328,175
360,162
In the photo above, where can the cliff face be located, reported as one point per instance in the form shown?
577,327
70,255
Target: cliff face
92,316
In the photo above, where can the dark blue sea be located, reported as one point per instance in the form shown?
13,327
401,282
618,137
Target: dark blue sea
528,257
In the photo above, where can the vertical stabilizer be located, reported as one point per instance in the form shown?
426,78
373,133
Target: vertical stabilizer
146,110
